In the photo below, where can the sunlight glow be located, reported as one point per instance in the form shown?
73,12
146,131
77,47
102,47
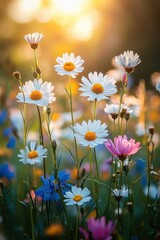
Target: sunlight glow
24,10
71,7
84,28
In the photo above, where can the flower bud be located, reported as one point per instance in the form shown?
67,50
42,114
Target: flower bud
129,70
151,130
48,110
17,75
34,45
123,112
127,116
54,145
114,116
38,70
35,74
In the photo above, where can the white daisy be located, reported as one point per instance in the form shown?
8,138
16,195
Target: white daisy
112,108
97,86
32,154
33,39
91,133
36,92
158,87
154,191
126,109
69,65
119,193
128,60
77,196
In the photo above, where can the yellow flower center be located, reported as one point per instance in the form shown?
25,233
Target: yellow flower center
69,66
32,154
36,95
97,88
77,198
90,136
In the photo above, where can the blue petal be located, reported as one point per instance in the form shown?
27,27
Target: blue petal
12,142
3,116
7,132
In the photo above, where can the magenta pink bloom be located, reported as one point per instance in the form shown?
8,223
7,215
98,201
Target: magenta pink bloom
98,229
122,147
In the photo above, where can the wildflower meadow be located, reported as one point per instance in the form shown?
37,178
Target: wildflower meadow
88,169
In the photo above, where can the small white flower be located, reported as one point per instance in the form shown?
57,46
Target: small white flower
91,133
33,39
140,129
118,211
123,192
36,92
128,60
154,191
126,109
97,86
158,87
69,65
112,108
32,154
77,196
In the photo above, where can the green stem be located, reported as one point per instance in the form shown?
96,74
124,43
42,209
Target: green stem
114,127
126,127
41,139
64,208
77,224
95,157
93,183
121,98
150,161
110,185
30,207
36,63
44,160
24,114
95,110
72,118
53,150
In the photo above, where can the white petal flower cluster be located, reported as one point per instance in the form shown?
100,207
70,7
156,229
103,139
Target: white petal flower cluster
32,154
158,87
91,134
97,86
126,108
112,108
123,192
77,196
33,39
128,59
36,92
69,65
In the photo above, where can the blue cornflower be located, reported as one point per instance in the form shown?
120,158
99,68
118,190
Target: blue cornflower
6,172
3,116
50,187
11,142
8,132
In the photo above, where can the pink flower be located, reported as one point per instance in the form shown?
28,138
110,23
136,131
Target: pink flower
122,147
98,229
